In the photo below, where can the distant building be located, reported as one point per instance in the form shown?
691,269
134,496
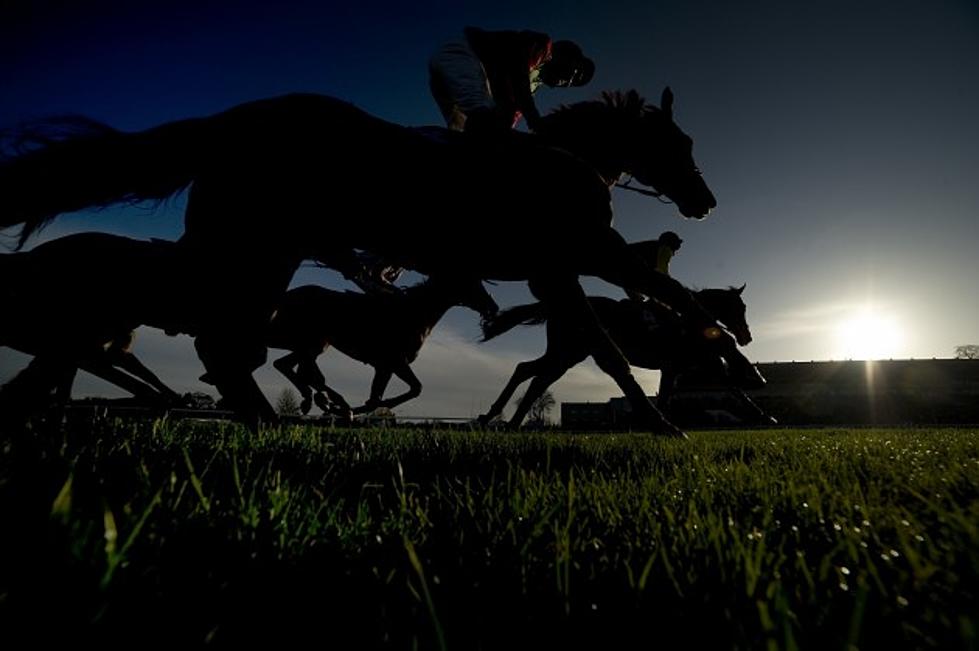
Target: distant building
885,392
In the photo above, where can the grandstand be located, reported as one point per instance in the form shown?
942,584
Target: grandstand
883,392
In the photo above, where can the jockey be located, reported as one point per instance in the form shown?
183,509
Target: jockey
375,275
486,80
657,254
371,273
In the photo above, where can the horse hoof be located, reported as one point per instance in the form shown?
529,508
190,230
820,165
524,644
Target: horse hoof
366,408
321,401
305,405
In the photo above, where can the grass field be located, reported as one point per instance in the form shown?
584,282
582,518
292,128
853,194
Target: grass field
184,534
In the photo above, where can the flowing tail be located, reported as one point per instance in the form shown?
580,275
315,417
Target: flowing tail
67,164
530,314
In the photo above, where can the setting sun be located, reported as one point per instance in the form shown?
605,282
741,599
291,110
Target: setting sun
869,335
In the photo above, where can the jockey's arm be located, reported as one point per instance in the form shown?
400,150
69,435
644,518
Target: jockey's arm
511,88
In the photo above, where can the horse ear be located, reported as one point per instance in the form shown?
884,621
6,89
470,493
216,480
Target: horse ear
741,289
666,102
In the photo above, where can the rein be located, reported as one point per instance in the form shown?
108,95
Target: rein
649,193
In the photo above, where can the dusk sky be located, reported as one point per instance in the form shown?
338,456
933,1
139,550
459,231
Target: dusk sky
841,140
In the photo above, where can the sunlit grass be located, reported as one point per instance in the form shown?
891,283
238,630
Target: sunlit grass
780,539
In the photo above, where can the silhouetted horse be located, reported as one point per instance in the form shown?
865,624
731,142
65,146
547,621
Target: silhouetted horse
74,303
649,336
337,179
54,369
385,331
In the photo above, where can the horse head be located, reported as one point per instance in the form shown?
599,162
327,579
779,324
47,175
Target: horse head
660,156
621,133
459,289
727,306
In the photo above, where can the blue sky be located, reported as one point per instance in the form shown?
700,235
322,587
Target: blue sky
840,139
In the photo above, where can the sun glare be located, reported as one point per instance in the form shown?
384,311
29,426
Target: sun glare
869,335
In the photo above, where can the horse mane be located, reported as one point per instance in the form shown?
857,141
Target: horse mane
628,102
587,127
729,288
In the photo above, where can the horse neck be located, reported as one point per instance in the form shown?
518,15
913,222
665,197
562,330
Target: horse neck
713,300
591,132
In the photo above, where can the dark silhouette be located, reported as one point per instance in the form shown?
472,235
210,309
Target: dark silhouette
74,303
385,331
307,159
485,80
649,336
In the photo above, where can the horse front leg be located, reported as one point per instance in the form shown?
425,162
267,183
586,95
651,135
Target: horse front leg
246,281
382,376
229,364
103,369
128,362
566,300
608,358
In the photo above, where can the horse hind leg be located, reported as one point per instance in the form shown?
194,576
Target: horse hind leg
523,372
567,301
406,375
537,387
289,366
610,360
